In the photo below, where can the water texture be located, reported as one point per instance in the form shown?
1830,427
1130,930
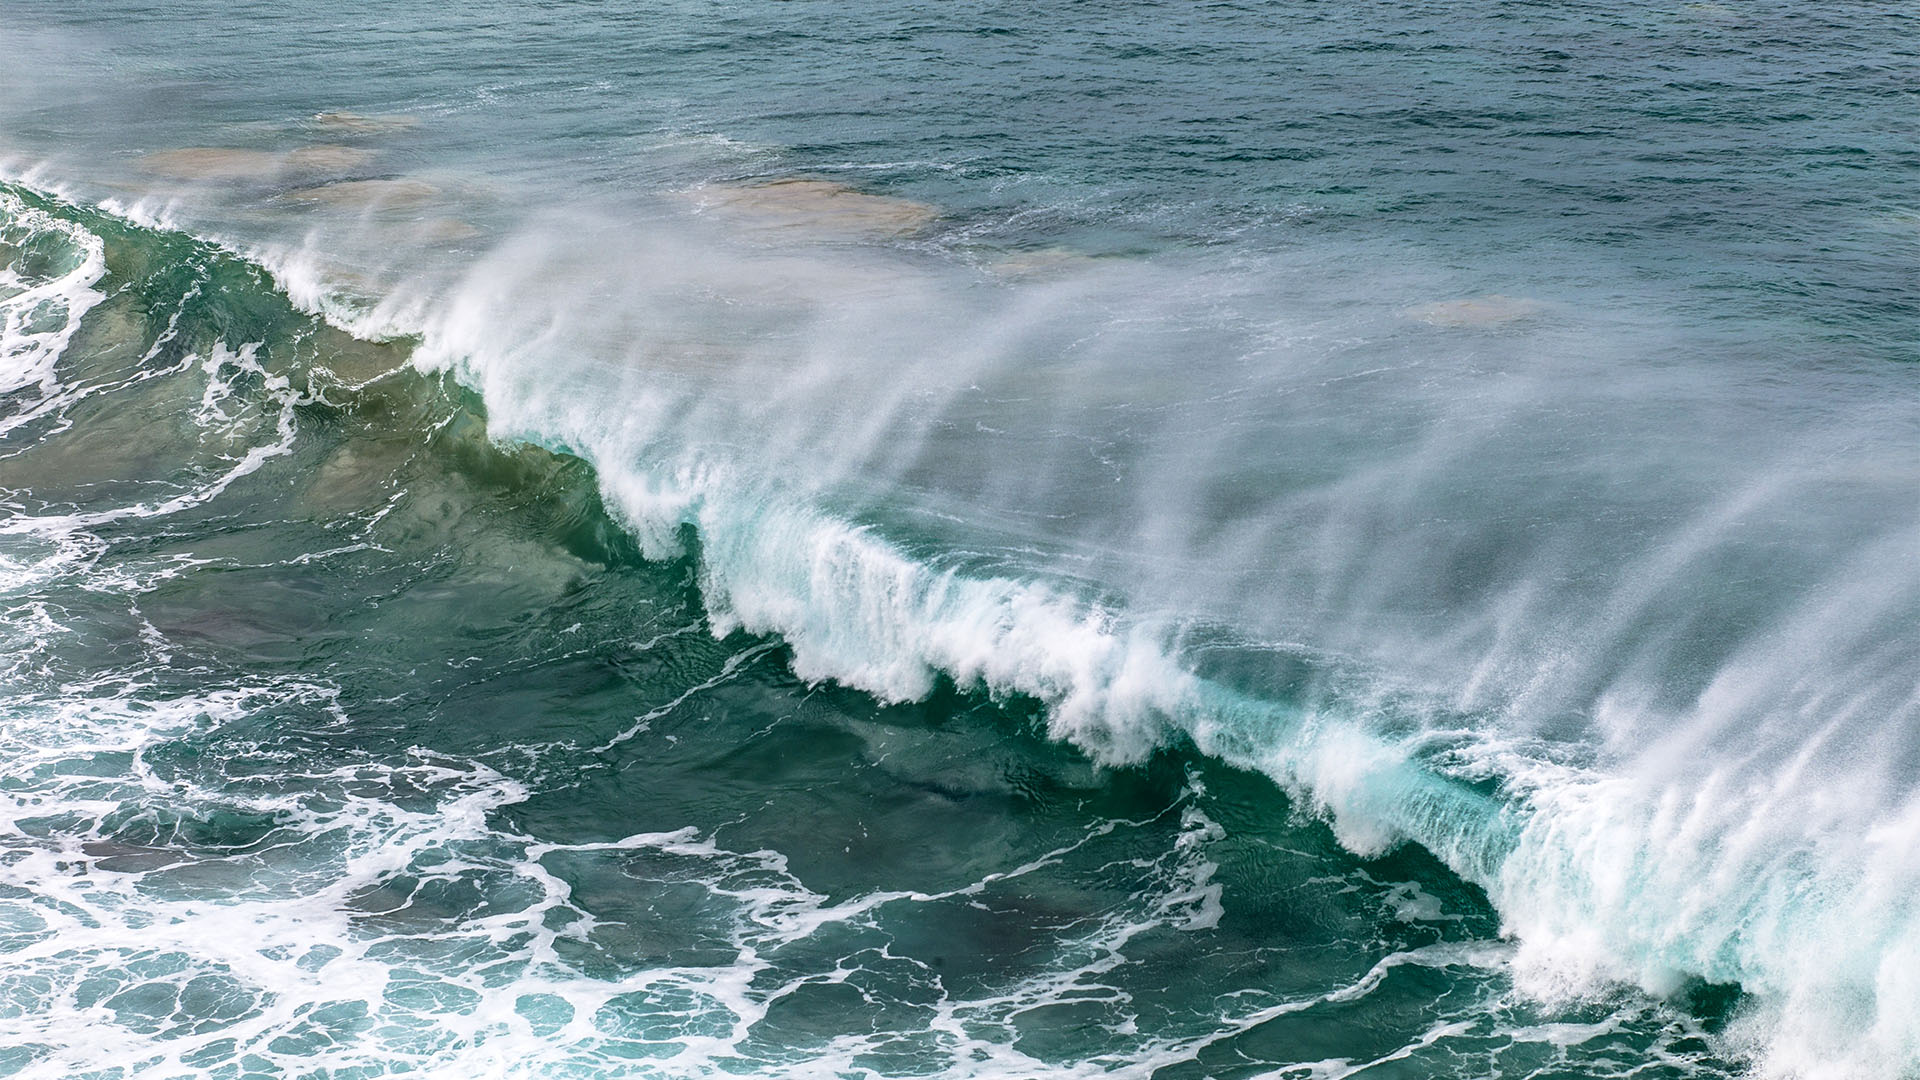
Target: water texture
1235,540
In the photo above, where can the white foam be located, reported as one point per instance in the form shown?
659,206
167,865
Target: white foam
1565,858
1647,867
314,949
226,415
41,308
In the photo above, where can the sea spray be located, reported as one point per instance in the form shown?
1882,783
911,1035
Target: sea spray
858,609
1457,417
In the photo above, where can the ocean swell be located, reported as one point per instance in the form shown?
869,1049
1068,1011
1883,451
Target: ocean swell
1750,870
1744,872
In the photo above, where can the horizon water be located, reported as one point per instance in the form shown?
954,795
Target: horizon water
1138,539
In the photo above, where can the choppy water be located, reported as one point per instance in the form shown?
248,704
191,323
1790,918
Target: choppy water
1243,540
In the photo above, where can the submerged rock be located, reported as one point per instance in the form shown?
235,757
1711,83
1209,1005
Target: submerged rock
212,163
362,124
1041,262
395,194
445,230
814,205
327,159
1493,310
232,164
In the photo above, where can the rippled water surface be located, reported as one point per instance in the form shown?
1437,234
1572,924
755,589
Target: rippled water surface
1233,540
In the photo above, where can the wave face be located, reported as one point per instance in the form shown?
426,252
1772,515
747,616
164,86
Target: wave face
571,574
1563,744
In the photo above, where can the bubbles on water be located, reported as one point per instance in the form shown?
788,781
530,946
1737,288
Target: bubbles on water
48,267
856,605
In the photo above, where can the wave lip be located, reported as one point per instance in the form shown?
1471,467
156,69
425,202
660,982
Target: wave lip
1600,876
1587,867
1602,879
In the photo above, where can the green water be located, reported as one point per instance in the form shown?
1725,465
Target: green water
394,754
1245,539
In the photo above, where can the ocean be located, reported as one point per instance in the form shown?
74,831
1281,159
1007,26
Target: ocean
1176,539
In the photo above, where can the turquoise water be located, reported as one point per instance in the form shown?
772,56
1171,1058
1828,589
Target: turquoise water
1127,539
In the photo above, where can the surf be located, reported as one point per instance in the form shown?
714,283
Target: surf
1597,875
1519,522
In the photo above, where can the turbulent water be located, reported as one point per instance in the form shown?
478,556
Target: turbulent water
1133,539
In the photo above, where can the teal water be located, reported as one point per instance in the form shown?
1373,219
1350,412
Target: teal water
1141,540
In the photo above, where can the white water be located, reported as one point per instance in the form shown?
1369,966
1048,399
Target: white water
1678,635
46,287
1667,606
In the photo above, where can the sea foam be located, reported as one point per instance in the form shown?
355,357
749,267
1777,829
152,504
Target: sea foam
1656,870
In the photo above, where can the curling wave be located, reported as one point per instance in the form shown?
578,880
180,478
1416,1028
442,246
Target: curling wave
1725,867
